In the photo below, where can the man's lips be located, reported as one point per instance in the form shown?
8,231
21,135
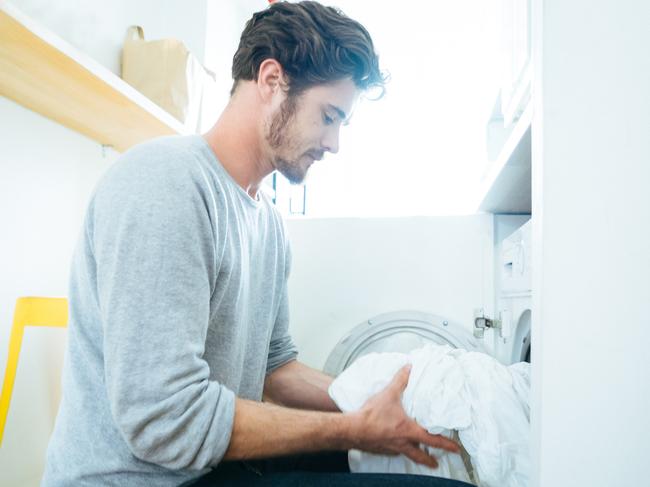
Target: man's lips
316,156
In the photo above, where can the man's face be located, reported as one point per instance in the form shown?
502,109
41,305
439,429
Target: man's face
306,126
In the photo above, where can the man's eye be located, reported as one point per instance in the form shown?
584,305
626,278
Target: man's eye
327,119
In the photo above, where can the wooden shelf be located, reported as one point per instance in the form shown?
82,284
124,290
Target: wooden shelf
506,185
45,74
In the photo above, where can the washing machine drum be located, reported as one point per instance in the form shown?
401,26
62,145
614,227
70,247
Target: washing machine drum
401,331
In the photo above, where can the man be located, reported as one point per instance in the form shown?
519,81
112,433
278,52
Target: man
178,293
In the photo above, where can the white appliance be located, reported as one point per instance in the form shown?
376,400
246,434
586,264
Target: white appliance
514,299
403,331
399,331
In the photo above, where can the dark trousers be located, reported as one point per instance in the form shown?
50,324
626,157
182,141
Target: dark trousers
317,470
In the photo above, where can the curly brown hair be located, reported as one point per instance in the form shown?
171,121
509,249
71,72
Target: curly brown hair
314,44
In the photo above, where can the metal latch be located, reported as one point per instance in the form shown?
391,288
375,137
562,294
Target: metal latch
481,322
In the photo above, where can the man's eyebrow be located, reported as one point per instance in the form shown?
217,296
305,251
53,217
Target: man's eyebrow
339,112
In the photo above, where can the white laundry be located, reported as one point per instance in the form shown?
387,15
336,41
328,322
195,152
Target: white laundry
450,390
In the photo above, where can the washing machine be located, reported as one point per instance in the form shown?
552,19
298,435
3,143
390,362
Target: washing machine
514,297
398,331
404,331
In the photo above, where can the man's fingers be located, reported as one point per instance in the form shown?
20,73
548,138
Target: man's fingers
436,441
401,379
420,456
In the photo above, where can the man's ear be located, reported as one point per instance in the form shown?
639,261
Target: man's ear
270,79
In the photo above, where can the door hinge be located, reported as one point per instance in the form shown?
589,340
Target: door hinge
481,322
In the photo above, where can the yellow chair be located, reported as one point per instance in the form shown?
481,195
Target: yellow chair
29,312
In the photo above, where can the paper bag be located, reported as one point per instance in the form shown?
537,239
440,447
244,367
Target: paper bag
168,74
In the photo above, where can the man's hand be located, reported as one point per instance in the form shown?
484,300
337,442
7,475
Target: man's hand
263,430
382,426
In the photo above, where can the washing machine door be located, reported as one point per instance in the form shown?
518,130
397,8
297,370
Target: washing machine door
399,331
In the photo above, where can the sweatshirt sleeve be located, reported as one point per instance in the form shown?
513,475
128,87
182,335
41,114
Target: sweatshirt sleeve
154,249
282,348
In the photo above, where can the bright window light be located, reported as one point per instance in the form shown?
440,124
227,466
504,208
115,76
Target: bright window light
421,150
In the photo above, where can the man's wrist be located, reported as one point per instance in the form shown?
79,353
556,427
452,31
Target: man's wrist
345,431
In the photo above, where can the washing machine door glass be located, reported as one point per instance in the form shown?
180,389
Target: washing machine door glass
401,331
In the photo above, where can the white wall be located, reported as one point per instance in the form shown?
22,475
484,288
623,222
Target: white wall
591,174
225,23
47,173
98,28
348,270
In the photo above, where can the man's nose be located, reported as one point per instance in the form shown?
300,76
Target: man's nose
331,141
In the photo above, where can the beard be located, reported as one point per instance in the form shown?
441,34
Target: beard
278,138
291,170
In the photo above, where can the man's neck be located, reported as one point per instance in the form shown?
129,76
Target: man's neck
236,141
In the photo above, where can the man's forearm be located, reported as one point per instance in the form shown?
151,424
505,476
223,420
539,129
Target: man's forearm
381,426
265,430
296,385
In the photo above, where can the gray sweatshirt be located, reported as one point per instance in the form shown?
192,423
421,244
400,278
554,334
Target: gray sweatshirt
178,303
